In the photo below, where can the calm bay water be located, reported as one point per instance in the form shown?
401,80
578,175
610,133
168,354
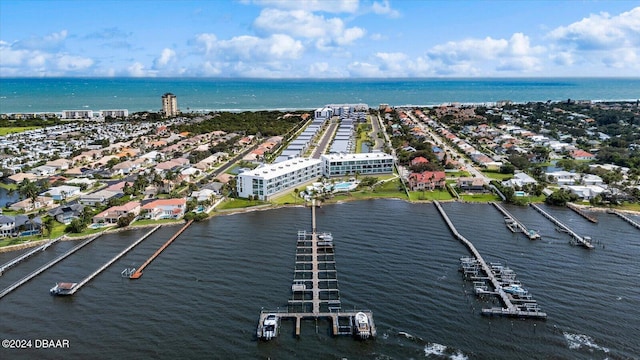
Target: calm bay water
135,94
202,297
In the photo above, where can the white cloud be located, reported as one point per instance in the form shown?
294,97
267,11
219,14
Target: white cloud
305,24
72,63
251,48
601,31
481,55
137,70
50,42
167,56
384,8
329,6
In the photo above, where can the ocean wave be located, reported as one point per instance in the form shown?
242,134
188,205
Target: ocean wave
577,341
442,350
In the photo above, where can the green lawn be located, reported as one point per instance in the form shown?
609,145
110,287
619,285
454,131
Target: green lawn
497,176
480,197
458,174
16,129
429,195
238,204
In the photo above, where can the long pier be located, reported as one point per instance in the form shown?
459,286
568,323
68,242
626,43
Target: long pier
510,309
582,213
512,221
625,218
45,267
26,255
138,273
108,263
314,289
581,240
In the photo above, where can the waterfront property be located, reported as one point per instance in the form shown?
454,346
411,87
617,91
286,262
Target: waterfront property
271,179
352,164
164,209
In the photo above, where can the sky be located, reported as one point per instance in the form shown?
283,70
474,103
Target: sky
319,38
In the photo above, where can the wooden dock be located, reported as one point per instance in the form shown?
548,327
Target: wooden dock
579,239
26,255
510,309
314,291
46,266
582,213
108,263
517,225
625,218
138,273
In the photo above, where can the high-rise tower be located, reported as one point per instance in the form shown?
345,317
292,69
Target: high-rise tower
169,105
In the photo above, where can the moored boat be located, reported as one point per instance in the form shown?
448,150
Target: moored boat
269,327
62,288
362,325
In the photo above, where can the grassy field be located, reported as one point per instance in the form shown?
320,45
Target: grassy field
239,204
430,195
497,176
16,129
480,197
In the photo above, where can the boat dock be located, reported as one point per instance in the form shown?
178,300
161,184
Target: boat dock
514,224
314,289
76,286
625,218
584,241
46,266
138,273
510,308
26,255
582,213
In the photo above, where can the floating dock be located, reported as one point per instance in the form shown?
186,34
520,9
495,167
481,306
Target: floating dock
583,241
72,288
315,291
514,224
138,273
45,267
510,309
26,255
582,213
625,218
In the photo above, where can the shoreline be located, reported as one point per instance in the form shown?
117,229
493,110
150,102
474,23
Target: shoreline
266,207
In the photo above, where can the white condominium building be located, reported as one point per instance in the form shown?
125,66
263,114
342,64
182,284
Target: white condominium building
352,164
270,179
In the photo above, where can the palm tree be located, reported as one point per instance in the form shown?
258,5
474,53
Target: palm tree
28,190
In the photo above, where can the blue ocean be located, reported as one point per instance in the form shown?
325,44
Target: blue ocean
19,95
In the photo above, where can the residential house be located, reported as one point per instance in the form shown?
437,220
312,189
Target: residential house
62,192
19,225
203,195
427,180
64,214
112,214
470,184
519,180
164,209
581,155
98,197
26,205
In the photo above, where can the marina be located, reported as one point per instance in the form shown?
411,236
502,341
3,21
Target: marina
314,291
26,255
66,288
138,273
514,224
501,279
46,266
584,241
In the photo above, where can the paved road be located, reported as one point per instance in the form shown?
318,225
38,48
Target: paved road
323,143
375,129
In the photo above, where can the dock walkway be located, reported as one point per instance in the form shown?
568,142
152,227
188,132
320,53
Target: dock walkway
582,213
26,255
513,221
45,267
138,273
580,240
108,263
314,290
511,309
625,218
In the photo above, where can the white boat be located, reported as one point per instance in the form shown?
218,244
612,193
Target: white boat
298,286
62,288
362,325
515,289
269,327
533,235
325,239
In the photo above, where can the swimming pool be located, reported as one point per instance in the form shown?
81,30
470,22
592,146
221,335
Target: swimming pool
345,186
